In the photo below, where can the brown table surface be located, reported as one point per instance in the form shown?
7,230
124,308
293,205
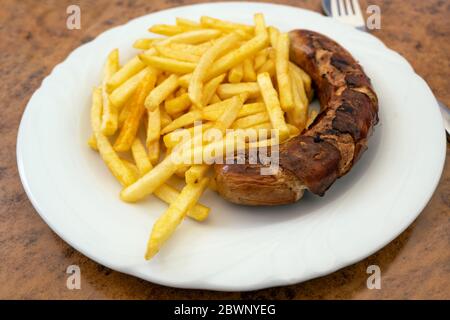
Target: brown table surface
33,259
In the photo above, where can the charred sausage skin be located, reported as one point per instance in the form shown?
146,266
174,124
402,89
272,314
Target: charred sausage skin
331,145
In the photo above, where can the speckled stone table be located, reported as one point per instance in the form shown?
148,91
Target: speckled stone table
33,259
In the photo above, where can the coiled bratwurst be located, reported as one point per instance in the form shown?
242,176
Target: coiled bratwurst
329,147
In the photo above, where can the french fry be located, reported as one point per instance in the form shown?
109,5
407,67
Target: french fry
132,167
260,24
184,80
92,142
236,74
204,65
215,98
122,93
131,68
169,221
123,115
153,125
303,76
273,36
182,121
249,72
165,118
260,58
237,56
197,50
169,30
187,23
154,151
145,44
177,105
228,90
140,157
166,64
299,114
161,92
293,130
269,67
177,54
273,105
131,124
282,70
173,138
210,88
169,195
213,111
299,84
225,26
110,116
111,159
251,120
196,172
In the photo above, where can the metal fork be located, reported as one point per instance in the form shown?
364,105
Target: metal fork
349,12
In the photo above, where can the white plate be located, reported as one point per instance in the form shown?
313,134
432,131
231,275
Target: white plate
238,248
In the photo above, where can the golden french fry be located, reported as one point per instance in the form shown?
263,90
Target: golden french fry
213,111
140,157
251,120
125,112
249,72
131,124
237,56
210,89
227,90
179,104
169,195
293,130
197,50
181,55
273,36
153,125
260,24
165,118
196,172
184,80
269,67
300,84
166,64
182,121
145,44
215,98
169,221
131,68
154,151
132,167
225,26
187,23
122,93
236,74
272,103
169,30
204,65
111,159
175,137
299,114
161,92
92,142
282,70
304,76
260,58
110,117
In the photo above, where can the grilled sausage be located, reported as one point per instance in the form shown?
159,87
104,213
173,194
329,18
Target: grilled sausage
331,145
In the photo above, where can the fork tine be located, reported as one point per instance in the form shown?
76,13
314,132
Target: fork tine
349,7
334,8
357,8
342,8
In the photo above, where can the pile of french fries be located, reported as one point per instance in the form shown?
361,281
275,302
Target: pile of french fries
225,74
